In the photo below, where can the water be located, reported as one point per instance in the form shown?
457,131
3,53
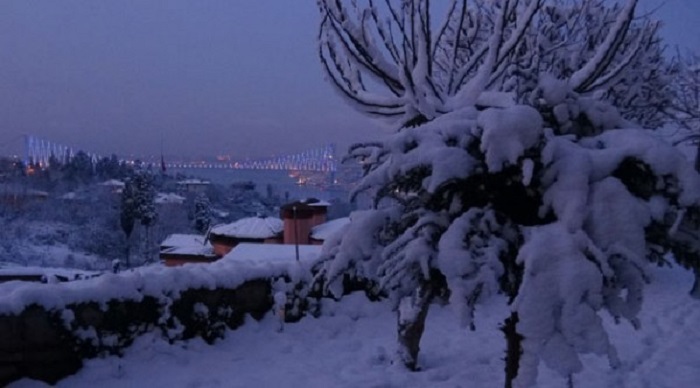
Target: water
280,181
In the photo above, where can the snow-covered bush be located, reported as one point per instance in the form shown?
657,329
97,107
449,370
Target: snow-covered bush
554,201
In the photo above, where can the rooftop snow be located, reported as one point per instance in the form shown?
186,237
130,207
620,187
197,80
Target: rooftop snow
328,229
251,227
113,182
164,198
193,182
191,250
184,240
272,253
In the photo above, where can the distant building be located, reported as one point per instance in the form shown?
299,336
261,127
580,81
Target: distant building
169,199
260,230
9,167
16,196
193,185
179,240
302,223
113,186
300,217
178,249
175,256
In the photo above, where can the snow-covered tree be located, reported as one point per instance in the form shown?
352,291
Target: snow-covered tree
138,204
566,43
685,113
685,109
79,168
127,215
389,60
202,213
111,168
547,200
384,59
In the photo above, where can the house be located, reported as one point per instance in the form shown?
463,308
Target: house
113,186
300,217
16,195
260,230
169,199
9,167
302,223
180,240
193,185
175,256
178,249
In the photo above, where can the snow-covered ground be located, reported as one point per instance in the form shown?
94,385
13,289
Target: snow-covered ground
352,346
48,244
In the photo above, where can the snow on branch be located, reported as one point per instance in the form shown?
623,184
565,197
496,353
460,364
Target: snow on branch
387,61
685,107
583,78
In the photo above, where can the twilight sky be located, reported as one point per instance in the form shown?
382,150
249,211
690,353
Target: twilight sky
237,77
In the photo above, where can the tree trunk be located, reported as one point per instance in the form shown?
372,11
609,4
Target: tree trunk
411,322
695,291
128,253
147,250
513,348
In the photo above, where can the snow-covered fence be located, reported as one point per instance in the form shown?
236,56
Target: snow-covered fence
46,330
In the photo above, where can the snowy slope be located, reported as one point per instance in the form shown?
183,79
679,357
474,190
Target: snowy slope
352,345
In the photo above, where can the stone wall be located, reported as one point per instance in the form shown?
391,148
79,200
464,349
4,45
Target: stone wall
49,345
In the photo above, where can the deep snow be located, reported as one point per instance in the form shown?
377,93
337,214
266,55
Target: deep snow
352,346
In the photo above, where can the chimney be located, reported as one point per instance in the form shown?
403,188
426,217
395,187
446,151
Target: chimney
297,217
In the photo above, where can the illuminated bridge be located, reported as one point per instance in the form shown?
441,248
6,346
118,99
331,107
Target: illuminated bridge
321,159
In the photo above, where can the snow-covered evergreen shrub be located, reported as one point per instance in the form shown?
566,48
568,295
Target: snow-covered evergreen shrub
545,194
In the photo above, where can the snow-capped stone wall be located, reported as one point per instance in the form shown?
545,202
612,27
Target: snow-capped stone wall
46,330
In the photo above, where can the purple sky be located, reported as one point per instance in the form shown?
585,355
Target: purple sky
237,77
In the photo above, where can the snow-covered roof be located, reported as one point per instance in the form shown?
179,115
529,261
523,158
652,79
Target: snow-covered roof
113,183
324,231
163,198
272,252
219,213
37,193
193,182
69,196
315,202
251,227
308,202
191,250
184,240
